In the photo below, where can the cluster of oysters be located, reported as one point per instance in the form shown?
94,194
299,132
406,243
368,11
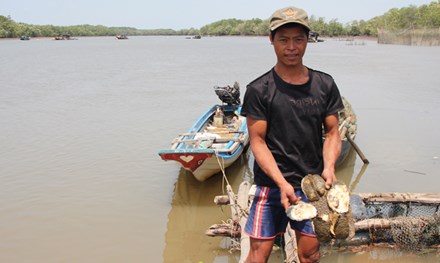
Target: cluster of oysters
329,209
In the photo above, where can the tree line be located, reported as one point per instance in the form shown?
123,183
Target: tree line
406,18
12,29
412,17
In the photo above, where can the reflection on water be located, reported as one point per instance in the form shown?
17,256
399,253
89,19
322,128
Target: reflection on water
345,170
193,211
377,254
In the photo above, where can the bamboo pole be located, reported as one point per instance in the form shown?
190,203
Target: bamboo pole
356,148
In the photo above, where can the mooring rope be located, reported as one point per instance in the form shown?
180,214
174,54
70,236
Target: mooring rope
222,168
232,197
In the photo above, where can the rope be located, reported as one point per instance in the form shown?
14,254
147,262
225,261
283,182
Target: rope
232,197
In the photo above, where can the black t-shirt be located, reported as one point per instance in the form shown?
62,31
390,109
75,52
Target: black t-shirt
295,115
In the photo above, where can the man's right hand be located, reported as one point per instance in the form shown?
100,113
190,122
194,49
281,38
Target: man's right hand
288,196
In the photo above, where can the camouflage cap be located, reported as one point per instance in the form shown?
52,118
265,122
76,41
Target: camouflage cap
289,15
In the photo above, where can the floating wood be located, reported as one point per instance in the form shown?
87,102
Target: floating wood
224,199
221,200
372,223
226,230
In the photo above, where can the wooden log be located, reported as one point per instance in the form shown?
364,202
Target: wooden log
382,223
221,200
242,197
235,210
291,248
243,200
423,198
226,230
224,199
372,223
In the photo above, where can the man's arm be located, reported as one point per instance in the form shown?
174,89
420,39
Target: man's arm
332,148
257,134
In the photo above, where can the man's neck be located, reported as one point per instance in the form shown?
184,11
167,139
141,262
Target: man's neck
297,75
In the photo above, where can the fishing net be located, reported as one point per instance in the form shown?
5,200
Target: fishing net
229,95
410,225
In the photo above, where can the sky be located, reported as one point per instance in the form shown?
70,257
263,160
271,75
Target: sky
185,14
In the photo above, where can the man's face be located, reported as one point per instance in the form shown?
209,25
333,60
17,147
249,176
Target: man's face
290,44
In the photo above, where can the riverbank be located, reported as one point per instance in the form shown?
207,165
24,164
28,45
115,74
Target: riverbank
414,37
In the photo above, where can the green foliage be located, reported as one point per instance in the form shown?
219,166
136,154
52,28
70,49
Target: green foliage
11,29
412,17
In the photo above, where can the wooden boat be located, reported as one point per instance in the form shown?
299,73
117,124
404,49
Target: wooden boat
121,37
216,139
194,37
65,37
313,37
25,38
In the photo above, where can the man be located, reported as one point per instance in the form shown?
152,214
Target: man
286,109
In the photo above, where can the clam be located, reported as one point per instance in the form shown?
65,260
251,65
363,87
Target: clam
321,227
319,184
313,186
301,211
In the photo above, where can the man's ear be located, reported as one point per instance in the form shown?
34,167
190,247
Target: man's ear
271,39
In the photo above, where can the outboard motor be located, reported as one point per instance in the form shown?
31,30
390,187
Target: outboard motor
229,95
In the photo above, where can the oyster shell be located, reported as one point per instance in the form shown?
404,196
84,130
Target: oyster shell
338,197
301,211
333,219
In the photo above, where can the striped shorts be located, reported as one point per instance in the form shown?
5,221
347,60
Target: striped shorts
267,217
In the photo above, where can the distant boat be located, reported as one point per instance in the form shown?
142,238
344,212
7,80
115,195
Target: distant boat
65,37
194,37
25,38
313,37
121,37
